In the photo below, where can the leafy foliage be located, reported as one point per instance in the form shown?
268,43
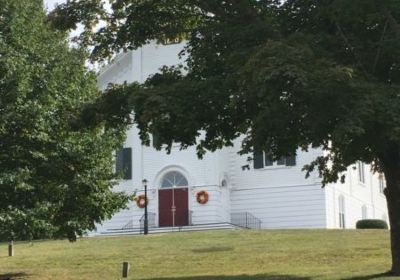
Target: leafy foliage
55,179
305,73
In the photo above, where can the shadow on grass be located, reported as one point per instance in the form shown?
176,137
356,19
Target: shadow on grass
370,277
237,277
12,276
212,249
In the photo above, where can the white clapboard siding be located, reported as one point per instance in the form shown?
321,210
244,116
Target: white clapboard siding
283,206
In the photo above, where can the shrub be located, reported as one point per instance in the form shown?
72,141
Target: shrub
371,224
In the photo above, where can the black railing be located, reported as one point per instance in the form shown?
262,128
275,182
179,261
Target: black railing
241,219
129,225
151,218
245,220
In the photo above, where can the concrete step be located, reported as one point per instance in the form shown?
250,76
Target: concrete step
136,231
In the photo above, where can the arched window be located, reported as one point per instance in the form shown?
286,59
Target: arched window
342,217
174,179
364,212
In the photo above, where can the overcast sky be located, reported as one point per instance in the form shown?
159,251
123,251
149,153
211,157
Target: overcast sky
51,3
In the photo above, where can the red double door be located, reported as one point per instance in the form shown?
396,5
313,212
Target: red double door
173,207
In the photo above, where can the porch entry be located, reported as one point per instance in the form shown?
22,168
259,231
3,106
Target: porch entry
173,200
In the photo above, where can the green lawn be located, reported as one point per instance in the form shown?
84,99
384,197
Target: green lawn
225,255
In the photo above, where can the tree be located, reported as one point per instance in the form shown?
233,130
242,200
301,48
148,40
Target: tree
56,178
298,74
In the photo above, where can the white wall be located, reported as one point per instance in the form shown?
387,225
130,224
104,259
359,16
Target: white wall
152,165
356,194
120,71
280,196
138,65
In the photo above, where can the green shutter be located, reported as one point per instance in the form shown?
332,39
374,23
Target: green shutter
291,160
258,158
156,140
127,163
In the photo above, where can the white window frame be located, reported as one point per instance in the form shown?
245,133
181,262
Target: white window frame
181,183
364,212
342,212
361,172
275,164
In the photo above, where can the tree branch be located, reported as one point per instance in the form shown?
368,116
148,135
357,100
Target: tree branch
352,49
378,54
394,25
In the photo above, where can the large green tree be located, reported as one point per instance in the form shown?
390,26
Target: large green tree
55,178
301,73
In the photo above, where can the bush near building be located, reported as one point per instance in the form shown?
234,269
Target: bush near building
371,224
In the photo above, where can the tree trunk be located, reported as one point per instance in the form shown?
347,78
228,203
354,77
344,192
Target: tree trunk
391,167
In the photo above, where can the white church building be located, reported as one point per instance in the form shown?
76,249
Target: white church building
224,188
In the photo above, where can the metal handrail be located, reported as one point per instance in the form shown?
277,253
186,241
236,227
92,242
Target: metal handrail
245,220
151,218
240,219
129,225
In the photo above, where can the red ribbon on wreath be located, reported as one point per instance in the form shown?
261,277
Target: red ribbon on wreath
202,197
141,201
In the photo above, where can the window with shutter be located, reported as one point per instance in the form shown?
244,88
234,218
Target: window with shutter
291,160
262,159
268,160
282,161
127,163
123,163
361,172
156,140
258,158
364,212
342,216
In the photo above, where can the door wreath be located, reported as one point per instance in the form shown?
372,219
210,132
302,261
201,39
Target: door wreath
202,197
141,201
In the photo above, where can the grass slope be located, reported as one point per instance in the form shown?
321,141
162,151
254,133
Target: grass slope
218,255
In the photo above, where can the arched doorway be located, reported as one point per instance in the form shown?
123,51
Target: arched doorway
173,200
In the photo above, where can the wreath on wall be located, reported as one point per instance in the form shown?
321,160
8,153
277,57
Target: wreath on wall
141,201
202,197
